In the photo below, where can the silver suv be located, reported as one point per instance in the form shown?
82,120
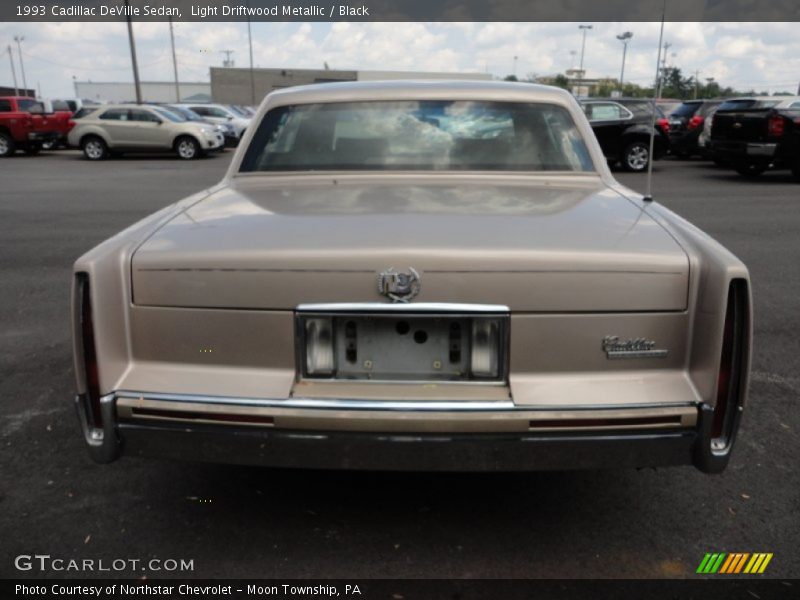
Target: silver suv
140,128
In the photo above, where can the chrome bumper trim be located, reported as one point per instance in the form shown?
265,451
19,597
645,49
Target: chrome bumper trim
390,405
416,307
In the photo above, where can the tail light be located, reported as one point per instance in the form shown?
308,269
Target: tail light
88,349
775,126
695,122
731,363
664,124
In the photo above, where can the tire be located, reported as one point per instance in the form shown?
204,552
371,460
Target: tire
796,169
94,148
7,145
636,157
187,148
749,169
721,163
33,149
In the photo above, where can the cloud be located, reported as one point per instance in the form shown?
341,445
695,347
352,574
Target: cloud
744,55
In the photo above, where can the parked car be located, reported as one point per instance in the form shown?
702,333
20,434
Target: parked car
27,123
141,128
226,129
414,275
686,124
667,105
220,113
752,137
623,127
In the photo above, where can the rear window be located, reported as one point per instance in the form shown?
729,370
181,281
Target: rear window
687,109
746,104
5,105
418,135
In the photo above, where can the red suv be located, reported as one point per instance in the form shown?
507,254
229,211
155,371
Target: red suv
25,124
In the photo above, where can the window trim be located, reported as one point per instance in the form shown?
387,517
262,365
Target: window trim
628,117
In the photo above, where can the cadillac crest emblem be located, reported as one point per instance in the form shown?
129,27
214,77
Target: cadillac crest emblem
399,287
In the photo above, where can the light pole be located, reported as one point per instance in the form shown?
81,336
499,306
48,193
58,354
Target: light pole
515,66
174,62
624,38
585,28
136,84
19,39
13,72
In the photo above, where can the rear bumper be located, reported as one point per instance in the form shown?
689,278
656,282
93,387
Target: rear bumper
684,141
403,451
743,151
44,136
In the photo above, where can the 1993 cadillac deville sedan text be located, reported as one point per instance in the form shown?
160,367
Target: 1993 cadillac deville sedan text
243,324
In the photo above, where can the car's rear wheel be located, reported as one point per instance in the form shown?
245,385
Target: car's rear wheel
7,145
749,169
94,148
187,148
636,157
796,169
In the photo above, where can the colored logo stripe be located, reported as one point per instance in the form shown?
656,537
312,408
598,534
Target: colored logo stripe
734,563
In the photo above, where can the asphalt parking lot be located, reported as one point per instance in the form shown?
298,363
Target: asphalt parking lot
250,522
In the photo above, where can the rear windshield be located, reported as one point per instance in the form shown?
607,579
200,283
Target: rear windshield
747,103
687,109
418,135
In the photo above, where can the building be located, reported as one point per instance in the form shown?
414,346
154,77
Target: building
240,86
152,91
7,90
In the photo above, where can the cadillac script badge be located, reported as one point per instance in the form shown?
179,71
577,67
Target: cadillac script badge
399,287
634,348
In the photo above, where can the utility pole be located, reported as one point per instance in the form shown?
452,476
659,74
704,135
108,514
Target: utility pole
174,62
13,71
252,74
19,39
136,83
624,38
667,46
584,28
228,63
696,83
515,66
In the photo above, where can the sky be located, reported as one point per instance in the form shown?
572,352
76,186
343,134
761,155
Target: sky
763,56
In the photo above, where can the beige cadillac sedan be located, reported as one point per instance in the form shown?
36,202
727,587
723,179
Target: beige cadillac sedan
414,275
115,129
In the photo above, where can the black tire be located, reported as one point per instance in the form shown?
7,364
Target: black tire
636,156
749,169
33,149
94,148
796,169
724,164
7,145
188,148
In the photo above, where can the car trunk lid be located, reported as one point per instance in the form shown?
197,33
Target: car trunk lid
277,242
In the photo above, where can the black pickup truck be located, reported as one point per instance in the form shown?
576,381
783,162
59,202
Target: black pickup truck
755,139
